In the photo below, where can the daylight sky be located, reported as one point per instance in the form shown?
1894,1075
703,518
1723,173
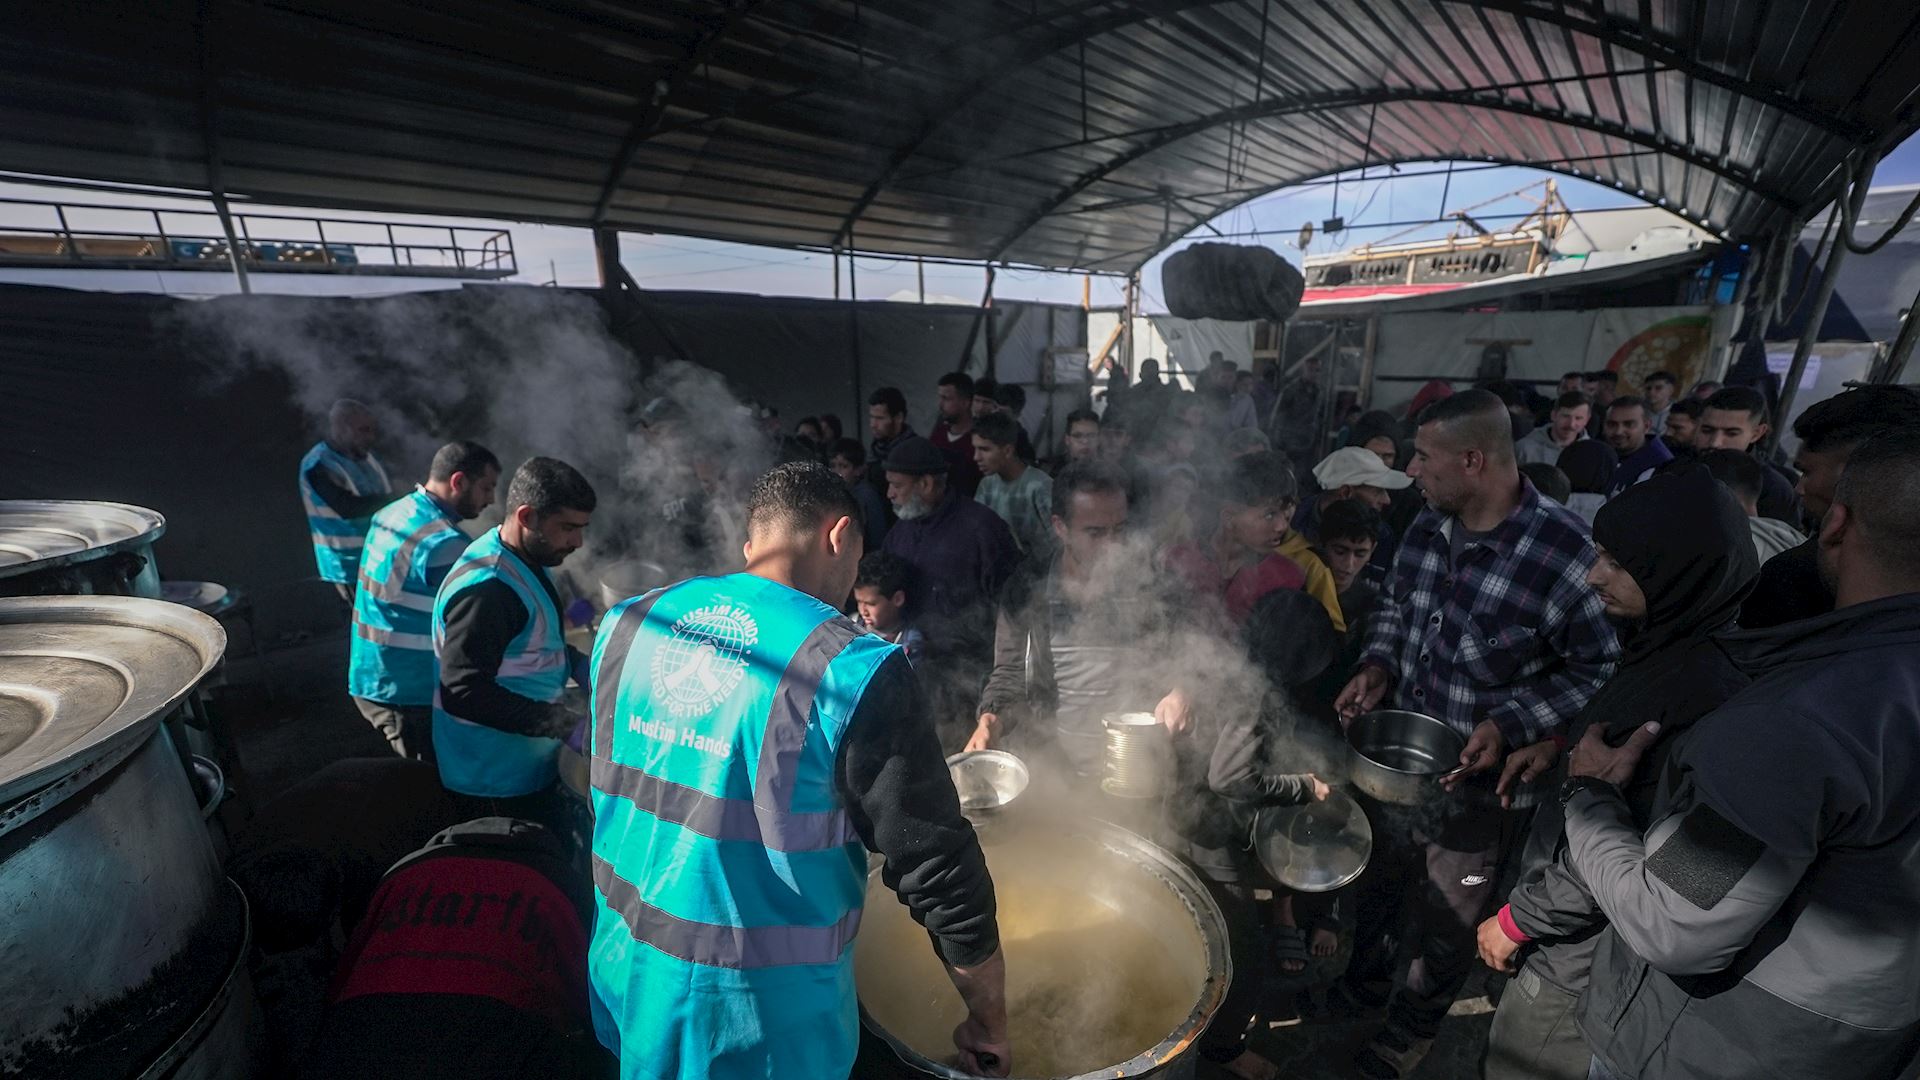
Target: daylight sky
1371,204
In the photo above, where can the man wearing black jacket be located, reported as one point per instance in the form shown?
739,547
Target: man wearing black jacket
1764,924
1736,418
1674,564
1790,586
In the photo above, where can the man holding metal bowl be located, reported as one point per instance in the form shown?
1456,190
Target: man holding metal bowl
1486,626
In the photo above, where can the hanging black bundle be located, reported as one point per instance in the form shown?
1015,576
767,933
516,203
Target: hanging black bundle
1230,281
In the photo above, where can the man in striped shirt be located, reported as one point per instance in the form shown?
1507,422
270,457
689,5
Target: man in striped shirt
1486,623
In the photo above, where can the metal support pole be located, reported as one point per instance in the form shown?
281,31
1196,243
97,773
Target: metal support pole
1895,364
979,320
920,269
1127,305
836,273
606,256
853,329
1817,313
233,242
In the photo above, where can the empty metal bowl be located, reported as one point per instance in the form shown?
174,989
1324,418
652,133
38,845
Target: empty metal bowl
987,780
1316,846
1396,755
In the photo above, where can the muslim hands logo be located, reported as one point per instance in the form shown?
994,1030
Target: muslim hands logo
706,659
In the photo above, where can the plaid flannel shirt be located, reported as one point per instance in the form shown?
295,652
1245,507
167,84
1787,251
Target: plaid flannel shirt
1514,636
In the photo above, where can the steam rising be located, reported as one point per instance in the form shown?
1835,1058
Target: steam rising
525,372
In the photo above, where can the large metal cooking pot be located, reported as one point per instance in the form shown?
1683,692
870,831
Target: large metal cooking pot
629,578
1116,959
117,929
1396,756
67,547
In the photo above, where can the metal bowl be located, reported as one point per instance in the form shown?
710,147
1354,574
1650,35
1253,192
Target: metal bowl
987,780
1316,846
1396,755
628,578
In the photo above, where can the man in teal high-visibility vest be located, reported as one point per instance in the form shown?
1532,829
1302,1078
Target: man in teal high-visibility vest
498,717
411,545
341,485
750,745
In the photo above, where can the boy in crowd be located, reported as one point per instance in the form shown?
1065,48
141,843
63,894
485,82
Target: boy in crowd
1349,532
1293,544
848,460
880,596
1021,494
1238,562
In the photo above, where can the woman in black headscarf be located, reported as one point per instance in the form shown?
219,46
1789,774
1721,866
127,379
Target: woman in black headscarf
1676,560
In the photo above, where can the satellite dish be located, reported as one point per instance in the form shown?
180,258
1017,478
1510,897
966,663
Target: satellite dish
1306,236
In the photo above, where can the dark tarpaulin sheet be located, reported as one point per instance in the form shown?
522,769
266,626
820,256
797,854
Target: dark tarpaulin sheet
111,396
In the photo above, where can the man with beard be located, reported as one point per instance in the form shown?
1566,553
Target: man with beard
887,423
1790,586
1487,624
961,554
1674,564
1074,636
1629,432
411,545
1763,925
498,717
953,435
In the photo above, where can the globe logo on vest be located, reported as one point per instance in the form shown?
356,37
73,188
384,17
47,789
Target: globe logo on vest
705,659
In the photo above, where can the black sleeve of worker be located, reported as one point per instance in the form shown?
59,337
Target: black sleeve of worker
344,502
482,620
897,790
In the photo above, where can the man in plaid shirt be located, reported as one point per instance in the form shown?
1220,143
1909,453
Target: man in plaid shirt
1488,624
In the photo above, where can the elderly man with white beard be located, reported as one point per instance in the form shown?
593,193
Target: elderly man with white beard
961,554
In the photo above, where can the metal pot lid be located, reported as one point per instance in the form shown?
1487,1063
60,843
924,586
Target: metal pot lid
1314,847
37,534
82,675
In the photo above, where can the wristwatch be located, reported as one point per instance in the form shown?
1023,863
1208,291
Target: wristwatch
1574,785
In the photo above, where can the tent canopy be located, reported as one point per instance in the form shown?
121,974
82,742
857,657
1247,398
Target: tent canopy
1060,133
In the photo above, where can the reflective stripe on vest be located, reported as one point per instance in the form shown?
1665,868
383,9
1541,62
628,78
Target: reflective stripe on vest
723,855
391,659
476,759
337,540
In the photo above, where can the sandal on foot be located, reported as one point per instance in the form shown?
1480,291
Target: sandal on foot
1290,949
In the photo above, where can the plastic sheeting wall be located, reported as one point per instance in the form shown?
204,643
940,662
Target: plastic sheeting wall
1415,348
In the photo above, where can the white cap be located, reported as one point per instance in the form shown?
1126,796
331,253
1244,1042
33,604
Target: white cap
1359,467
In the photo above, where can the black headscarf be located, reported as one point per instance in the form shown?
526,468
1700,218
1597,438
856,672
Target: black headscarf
1688,545
1589,465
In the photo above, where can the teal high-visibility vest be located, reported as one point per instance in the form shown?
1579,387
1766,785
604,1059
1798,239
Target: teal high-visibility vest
411,545
337,540
728,878
476,759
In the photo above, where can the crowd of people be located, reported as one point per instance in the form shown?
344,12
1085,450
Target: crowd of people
1684,672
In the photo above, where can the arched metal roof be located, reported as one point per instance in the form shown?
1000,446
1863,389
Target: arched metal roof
1062,133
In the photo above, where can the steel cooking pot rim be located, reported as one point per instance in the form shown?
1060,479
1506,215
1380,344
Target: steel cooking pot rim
1152,859
143,705
145,526
1353,743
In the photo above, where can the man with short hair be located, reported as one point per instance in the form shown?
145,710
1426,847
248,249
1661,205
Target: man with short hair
1630,433
1763,924
498,717
750,747
341,484
411,545
1082,438
1021,494
887,424
1487,624
1741,473
1683,426
1659,389
1565,426
1829,431
1070,644
848,460
1736,419
952,435
1603,386
1572,382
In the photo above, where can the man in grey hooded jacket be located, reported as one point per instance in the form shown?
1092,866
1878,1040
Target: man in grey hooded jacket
1765,924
